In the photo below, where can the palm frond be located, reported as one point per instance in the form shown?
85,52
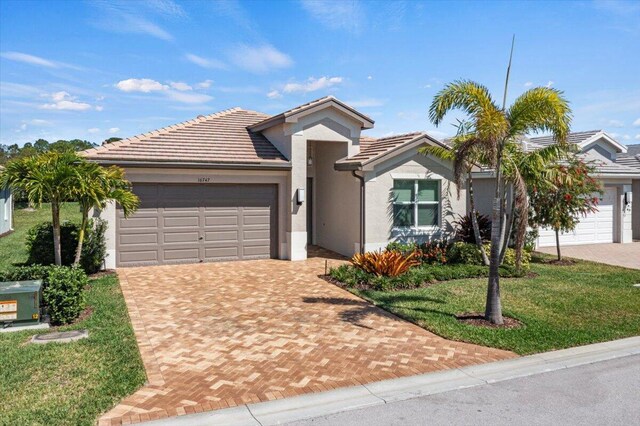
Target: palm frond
541,109
471,97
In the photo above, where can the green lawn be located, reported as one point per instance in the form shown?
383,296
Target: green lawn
12,248
563,306
72,383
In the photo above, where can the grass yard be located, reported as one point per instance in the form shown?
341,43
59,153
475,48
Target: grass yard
72,383
562,306
12,248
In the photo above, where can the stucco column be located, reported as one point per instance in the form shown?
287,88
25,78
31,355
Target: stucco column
298,234
109,215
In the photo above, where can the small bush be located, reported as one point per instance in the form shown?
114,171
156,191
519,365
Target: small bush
40,245
466,253
464,228
64,294
434,252
385,263
26,273
405,248
94,248
469,254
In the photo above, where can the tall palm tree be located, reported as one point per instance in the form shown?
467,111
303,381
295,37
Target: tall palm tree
492,129
96,187
47,177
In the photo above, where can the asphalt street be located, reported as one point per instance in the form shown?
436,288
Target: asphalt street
604,393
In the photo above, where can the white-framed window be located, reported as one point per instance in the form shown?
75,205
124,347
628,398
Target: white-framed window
416,203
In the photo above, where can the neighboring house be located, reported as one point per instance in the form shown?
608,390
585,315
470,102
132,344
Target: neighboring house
6,210
619,171
240,184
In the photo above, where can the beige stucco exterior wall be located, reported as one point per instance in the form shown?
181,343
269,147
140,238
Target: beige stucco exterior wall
337,202
191,176
326,126
379,186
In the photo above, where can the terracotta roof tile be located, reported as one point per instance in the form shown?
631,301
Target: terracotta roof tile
372,148
216,138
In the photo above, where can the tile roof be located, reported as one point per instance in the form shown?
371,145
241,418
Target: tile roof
309,105
573,137
372,148
605,166
220,138
631,158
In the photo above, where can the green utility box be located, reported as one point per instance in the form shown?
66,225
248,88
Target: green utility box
20,302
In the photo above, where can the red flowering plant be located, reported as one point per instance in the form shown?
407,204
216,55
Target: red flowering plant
570,194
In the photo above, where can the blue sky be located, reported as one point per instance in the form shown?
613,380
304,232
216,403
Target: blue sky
95,69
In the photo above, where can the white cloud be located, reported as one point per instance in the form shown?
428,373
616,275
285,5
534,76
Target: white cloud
636,123
93,130
174,91
364,103
29,59
114,130
369,77
312,84
205,62
188,98
274,94
626,137
426,86
205,84
337,15
550,83
615,123
637,137
259,59
178,85
133,16
144,85
99,107
65,102
528,84
39,122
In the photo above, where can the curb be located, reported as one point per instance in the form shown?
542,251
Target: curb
378,393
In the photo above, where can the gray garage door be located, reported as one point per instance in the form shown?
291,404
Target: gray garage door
198,223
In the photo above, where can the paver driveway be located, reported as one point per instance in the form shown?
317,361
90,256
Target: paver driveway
224,334
627,255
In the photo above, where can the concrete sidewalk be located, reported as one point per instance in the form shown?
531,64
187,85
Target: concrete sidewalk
379,393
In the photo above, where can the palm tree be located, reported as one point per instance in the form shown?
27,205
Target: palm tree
47,177
96,187
492,130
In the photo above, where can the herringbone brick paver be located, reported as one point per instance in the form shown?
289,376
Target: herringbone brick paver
219,335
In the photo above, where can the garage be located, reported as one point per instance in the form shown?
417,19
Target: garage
595,228
192,223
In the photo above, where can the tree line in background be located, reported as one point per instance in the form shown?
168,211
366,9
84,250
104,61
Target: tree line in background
10,152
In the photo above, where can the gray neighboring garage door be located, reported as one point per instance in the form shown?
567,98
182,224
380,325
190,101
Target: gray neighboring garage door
178,223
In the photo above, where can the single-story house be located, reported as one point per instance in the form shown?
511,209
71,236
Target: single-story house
239,184
6,210
619,174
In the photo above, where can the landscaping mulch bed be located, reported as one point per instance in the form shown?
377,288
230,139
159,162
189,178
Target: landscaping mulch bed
563,262
477,319
366,286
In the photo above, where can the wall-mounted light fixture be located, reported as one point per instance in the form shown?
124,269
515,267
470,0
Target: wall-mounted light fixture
300,196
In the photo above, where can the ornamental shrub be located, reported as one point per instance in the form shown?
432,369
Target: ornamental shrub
40,245
464,228
467,253
64,294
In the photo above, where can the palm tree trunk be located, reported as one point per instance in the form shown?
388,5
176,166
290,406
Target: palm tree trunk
509,228
81,233
493,308
474,222
558,244
55,217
